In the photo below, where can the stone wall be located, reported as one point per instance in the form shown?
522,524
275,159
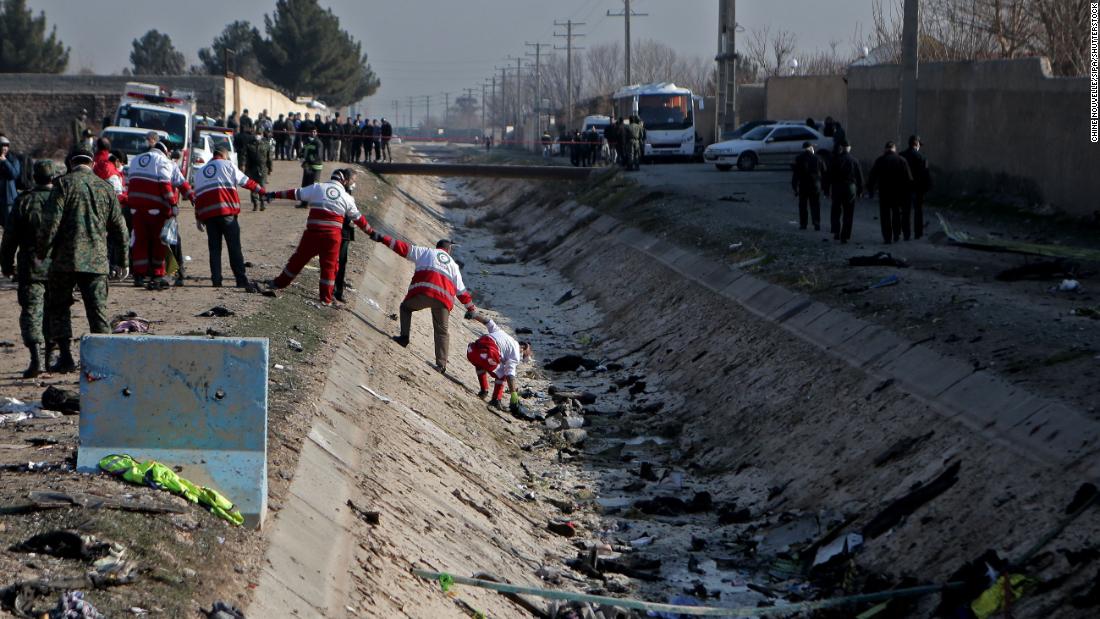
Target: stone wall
35,109
807,96
1003,127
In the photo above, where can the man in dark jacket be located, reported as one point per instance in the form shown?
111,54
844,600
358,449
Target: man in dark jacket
312,162
808,173
387,135
891,176
845,184
922,182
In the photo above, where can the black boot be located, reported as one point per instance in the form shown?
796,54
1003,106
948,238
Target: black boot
47,358
65,362
35,368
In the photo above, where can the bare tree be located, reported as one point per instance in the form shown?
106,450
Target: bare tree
604,65
989,29
770,51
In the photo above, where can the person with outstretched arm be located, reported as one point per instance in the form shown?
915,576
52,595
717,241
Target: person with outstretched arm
436,283
499,354
329,204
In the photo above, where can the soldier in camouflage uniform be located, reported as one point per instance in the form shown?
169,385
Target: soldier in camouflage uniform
258,161
22,233
79,219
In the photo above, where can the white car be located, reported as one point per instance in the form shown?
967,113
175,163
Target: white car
775,144
202,149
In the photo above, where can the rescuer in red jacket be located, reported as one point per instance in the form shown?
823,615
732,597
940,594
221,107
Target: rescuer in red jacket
217,205
436,283
329,203
152,199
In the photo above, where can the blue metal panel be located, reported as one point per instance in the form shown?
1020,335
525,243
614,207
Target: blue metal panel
193,403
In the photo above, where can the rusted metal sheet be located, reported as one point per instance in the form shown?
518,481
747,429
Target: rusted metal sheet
196,404
491,171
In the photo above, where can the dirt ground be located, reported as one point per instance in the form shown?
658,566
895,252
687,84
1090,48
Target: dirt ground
185,561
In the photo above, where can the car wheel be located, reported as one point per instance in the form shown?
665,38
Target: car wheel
724,167
746,162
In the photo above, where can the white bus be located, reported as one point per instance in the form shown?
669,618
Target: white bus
668,112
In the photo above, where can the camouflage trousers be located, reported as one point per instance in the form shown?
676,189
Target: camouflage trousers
32,307
59,295
257,198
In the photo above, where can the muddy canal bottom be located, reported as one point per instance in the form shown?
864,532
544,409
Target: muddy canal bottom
646,522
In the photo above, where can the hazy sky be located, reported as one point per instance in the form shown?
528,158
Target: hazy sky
426,47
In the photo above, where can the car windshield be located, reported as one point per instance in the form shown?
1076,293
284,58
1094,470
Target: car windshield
129,143
172,123
220,139
757,134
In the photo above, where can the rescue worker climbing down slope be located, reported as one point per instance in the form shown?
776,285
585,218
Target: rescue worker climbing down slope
499,354
435,285
329,203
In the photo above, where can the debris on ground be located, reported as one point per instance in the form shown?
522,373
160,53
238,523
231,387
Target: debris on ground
1068,285
218,311
1051,251
565,297
294,345
907,504
65,401
39,500
891,280
72,605
571,363
563,528
222,610
1054,269
15,405
881,259
64,544
367,516
130,325
1086,312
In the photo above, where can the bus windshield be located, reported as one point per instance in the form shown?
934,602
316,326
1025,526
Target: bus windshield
172,123
665,112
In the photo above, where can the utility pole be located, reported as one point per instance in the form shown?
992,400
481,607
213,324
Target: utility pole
626,14
446,108
569,35
538,81
427,110
469,99
910,42
726,100
516,90
410,119
396,114
483,106
501,113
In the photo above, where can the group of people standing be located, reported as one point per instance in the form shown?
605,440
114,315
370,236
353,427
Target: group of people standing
622,142
901,180
349,141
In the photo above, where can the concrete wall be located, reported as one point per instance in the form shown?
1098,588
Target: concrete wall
804,96
256,98
1005,127
752,103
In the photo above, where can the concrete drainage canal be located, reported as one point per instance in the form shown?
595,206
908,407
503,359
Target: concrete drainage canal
697,456
647,521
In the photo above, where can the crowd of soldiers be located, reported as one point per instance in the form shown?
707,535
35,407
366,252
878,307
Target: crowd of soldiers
901,181
622,142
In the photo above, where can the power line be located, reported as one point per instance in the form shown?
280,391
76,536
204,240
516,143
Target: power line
538,80
626,14
569,47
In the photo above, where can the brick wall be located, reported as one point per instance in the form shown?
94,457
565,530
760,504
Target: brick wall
35,109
